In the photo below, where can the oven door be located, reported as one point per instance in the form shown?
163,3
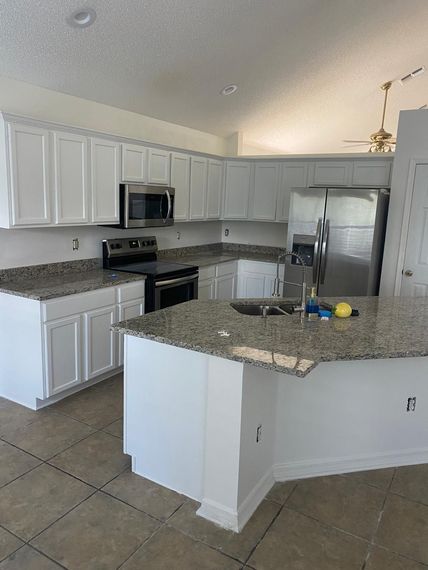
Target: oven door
174,291
147,206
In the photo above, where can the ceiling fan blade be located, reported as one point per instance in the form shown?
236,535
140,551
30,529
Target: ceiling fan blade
354,145
354,141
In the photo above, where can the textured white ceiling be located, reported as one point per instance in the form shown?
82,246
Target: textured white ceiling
308,70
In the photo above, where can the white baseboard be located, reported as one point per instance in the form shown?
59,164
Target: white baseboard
334,466
236,519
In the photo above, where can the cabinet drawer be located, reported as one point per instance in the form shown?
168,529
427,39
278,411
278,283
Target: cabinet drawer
226,268
264,267
206,272
131,291
75,304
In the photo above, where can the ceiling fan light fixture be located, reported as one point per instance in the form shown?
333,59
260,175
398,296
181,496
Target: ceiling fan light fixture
229,89
412,74
82,18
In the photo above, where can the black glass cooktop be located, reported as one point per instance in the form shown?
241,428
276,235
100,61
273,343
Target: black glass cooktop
158,268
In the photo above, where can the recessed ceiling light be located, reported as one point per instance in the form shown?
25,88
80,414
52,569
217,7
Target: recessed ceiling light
82,18
229,89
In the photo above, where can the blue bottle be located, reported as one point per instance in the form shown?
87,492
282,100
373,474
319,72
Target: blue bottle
312,305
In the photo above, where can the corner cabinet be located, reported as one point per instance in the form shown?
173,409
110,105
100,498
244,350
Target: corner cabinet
293,175
265,191
105,181
198,188
237,190
180,180
214,189
217,281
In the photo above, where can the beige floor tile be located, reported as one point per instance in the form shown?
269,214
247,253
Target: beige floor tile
101,533
13,416
97,406
37,499
412,482
404,528
96,459
49,434
169,549
14,462
341,502
8,543
380,559
28,559
145,495
116,428
296,542
237,545
377,477
281,491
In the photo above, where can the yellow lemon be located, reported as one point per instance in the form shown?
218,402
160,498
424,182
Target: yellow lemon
343,310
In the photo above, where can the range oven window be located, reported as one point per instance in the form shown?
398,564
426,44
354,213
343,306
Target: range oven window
166,296
147,206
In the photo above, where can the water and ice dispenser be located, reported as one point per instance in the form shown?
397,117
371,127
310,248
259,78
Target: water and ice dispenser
304,246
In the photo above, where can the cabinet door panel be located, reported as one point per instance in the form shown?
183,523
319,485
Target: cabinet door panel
71,178
214,189
105,181
206,289
158,171
237,190
329,173
29,170
180,180
100,353
252,285
127,311
225,287
198,188
134,160
62,354
265,194
293,175
371,173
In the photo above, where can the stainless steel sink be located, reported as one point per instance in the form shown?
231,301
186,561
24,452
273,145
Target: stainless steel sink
262,310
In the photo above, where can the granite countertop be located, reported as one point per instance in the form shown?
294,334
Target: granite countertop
205,259
42,288
389,327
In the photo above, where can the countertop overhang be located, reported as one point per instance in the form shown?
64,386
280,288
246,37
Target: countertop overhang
388,327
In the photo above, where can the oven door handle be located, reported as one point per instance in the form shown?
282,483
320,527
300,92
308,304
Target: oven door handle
177,280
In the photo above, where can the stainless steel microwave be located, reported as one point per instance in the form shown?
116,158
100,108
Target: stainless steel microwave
143,206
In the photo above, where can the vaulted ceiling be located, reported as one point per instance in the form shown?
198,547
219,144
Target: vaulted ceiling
308,71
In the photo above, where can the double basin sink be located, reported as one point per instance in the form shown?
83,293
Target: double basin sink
264,310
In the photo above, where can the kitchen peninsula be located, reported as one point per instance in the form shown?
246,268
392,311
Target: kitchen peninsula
219,404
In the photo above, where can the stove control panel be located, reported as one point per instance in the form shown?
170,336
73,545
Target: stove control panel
129,246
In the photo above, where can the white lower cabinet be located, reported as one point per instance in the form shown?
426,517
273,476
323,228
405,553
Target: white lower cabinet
63,353
78,343
255,279
100,342
217,281
225,287
206,289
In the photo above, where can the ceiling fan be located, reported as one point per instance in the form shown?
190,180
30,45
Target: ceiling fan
381,140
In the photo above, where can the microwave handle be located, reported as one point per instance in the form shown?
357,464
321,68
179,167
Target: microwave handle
168,214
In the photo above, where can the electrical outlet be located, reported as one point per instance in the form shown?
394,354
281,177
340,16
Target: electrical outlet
411,404
259,433
178,235
76,244
226,232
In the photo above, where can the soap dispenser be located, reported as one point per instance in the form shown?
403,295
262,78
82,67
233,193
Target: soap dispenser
312,305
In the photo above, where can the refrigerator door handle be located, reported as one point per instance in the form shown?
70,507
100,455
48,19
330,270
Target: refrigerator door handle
315,261
324,251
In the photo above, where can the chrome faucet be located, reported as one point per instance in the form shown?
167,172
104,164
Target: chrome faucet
278,281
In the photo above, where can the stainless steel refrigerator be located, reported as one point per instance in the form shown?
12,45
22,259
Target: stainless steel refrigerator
340,233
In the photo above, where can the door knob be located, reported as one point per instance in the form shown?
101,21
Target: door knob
408,273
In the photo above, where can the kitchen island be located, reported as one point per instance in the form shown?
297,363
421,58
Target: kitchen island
219,404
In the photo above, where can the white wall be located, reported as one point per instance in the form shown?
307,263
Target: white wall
34,246
257,233
412,140
25,99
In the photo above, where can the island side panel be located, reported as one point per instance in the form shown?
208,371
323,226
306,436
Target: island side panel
351,416
164,417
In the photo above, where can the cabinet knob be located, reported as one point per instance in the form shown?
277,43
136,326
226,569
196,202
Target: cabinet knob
408,273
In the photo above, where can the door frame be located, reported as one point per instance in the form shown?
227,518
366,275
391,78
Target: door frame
410,186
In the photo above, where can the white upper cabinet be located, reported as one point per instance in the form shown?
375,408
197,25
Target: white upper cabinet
198,188
29,175
180,180
158,166
371,173
237,190
105,181
265,191
70,178
214,189
329,173
134,163
293,175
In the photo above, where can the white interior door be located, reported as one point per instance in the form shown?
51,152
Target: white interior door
414,282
